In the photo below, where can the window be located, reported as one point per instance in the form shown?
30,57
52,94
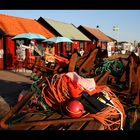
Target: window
20,51
103,46
19,42
81,45
68,47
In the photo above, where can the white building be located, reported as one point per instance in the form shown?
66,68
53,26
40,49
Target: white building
110,48
128,47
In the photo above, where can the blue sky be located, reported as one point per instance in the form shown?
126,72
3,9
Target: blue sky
127,20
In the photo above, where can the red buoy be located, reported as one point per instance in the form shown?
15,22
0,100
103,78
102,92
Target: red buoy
75,109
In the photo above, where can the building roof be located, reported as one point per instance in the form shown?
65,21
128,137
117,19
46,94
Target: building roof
12,26
66,29
97,33
112,38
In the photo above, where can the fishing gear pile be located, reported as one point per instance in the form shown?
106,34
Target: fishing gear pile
75,96
84,88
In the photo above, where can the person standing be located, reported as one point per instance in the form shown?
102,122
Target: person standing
81,52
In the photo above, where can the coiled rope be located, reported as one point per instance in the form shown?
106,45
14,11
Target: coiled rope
56,93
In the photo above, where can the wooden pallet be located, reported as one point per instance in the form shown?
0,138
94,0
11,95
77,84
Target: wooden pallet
83,125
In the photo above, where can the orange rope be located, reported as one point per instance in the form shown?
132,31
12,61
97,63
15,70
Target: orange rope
57,93
108,113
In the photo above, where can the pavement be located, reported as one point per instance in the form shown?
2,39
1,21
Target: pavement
12,83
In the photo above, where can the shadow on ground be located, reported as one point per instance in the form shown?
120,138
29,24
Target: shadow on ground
10,90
